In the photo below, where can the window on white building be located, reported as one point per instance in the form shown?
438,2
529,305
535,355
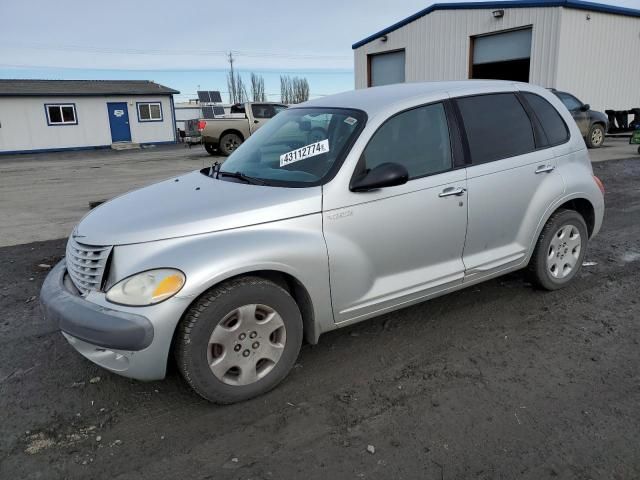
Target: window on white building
62,114
150,112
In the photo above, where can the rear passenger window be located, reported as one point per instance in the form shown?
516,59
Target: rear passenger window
497,126
418,139
262,111
552,123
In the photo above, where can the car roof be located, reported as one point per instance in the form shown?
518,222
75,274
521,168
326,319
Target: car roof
375,99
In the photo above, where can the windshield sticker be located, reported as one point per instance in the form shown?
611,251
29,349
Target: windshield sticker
307,151
350,121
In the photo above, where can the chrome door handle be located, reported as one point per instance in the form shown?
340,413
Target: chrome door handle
449,191
545,169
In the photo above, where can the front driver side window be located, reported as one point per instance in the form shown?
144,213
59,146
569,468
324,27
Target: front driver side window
571,102
418,139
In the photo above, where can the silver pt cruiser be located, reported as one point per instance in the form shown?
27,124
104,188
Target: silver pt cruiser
337,210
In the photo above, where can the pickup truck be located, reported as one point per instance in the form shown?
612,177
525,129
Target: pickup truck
221,136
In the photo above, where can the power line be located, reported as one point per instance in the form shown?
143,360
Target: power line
143,68
208,53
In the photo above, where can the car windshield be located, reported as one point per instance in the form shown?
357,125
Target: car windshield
299,147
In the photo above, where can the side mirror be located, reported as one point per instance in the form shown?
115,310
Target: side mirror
585,108
384,175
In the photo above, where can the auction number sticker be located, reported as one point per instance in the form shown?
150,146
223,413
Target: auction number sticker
307,151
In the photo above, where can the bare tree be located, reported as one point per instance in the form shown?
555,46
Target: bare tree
300,90
285,89
293,90
257,88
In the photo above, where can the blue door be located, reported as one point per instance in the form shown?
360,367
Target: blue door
119,122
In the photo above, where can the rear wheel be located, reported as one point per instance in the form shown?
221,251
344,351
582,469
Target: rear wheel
595,137
210,148
228,143
239,340
561,247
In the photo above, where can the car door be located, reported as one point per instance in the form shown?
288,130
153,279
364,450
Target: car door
396,245
580,115
511,182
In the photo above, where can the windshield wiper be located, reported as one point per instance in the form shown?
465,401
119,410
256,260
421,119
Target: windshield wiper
241,176
214,169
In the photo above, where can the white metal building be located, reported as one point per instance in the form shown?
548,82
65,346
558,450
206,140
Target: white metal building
49,115
588,49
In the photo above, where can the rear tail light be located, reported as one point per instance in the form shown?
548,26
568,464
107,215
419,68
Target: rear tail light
599,183
201,125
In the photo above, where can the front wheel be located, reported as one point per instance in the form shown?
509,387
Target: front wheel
595,137
561,247
239,340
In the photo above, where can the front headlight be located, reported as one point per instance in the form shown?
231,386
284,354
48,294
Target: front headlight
147,288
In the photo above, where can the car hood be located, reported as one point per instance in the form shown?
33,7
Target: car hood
598,116
189,205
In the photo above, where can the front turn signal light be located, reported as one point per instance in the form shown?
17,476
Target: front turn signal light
147,288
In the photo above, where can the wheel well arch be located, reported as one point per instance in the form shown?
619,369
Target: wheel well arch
285,280
232,130
585,208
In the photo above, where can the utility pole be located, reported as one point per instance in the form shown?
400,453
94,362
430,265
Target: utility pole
231,80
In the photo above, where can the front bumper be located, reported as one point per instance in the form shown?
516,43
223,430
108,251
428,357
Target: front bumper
131,341
89,322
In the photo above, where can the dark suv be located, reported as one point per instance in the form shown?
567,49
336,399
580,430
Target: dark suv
592,124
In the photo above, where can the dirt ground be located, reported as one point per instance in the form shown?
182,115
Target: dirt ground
499,381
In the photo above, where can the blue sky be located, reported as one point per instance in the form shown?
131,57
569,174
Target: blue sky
185,48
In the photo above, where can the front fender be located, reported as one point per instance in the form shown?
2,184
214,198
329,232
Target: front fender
599,117
294,247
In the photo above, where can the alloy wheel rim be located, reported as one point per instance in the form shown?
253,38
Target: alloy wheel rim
564,252
596,136
246,344
232,144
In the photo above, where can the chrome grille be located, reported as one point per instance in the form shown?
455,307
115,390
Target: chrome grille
86,264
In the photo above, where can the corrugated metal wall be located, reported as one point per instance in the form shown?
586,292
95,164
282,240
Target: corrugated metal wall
437,45
599,59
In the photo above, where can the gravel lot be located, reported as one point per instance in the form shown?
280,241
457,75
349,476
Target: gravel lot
499,381
42,196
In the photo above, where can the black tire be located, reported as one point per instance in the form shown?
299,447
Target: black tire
192,337
210,148
229,142
539,271
595,137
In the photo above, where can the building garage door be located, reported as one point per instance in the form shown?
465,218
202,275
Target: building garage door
386,68
502,56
